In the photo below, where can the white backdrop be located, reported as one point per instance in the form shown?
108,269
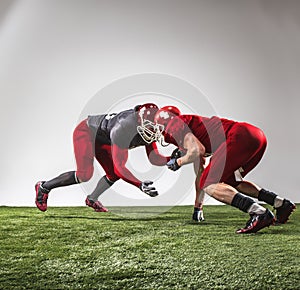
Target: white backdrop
55,55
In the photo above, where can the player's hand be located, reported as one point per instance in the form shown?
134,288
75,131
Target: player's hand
198,215
173,165
177,153
146,188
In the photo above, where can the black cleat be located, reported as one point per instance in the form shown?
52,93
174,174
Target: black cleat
283,212
257,222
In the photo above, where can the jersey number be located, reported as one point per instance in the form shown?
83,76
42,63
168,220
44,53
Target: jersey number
110,116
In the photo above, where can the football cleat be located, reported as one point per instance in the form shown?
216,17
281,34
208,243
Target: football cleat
257,222
283,212
96,205
41,196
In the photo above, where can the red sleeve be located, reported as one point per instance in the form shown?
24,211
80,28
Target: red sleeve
120,157
154,156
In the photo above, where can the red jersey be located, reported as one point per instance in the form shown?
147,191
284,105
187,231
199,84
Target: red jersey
211,132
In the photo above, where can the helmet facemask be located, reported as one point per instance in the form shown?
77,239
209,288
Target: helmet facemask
147,129
150,132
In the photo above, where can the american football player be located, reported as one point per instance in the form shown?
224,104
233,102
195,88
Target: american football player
236,148
107,138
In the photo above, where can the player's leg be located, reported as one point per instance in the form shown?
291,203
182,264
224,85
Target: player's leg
84,155
103,156
253,190
237,150
246,187
284,207
260,217
64,179
92,199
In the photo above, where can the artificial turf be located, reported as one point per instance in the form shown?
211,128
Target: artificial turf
76,248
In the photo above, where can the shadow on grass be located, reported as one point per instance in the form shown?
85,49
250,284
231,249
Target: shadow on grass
116,219
70,217
281,230
185,220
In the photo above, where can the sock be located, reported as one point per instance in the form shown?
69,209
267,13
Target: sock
255,208
65,179
242,202
44,190
103,184
267,196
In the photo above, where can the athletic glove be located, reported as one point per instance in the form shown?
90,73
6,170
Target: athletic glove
173,165
177,153
146,188
198,215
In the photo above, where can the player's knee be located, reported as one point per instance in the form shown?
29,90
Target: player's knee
84,176
210,189
112,178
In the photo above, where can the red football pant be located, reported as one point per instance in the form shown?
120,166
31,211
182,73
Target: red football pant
243,148
85,152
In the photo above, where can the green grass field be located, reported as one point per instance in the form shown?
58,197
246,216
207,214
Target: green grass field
76,248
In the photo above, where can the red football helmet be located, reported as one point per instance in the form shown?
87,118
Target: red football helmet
147,129
166,114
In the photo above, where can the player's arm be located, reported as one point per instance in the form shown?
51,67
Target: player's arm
198,169
194,150
120,157
200,194
154,156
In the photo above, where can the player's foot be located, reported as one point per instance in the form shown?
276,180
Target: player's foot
283,212
198,215
257,222
96,205
41,196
